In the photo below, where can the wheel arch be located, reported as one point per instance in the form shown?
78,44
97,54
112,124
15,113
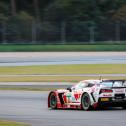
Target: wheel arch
84,93
49,96
91,97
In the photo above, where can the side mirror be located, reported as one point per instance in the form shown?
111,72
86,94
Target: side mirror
69,88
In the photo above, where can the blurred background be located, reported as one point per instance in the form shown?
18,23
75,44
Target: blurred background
62,21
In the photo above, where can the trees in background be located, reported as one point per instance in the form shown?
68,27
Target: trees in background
83,10
36,9
63,9
13,7
75,17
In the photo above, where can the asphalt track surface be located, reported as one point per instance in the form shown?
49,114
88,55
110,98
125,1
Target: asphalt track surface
58,58
36,85
31,107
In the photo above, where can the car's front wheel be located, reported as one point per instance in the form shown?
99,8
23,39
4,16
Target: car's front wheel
53,101
85,102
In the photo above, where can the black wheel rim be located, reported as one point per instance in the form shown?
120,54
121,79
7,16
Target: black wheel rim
86,102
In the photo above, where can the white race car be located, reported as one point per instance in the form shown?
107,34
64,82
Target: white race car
90,94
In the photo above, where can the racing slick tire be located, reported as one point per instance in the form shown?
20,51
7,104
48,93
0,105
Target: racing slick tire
53,101
85,102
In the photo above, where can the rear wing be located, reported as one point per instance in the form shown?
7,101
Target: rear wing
113,80
116,83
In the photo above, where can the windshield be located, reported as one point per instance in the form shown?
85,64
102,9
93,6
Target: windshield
82,85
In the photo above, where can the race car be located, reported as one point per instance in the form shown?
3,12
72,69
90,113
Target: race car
90,94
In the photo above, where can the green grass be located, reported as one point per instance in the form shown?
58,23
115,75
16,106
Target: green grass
10,123
52,79
27,88
59,69
66,69
59,48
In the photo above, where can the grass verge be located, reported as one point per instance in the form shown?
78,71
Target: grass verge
59,48
27,89
65,69
52,79
10,123
57,69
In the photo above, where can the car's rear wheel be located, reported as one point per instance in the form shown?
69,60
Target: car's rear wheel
53,101
85,101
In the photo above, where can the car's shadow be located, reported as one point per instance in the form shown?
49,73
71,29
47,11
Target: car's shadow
98,109
110,109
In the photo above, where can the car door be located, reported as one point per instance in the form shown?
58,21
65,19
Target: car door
76,96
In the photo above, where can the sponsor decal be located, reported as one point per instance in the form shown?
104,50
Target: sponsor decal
73,99
65,99
107,95
93,89
77,96
119,90
68,95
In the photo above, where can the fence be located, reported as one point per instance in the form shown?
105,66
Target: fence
20,32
